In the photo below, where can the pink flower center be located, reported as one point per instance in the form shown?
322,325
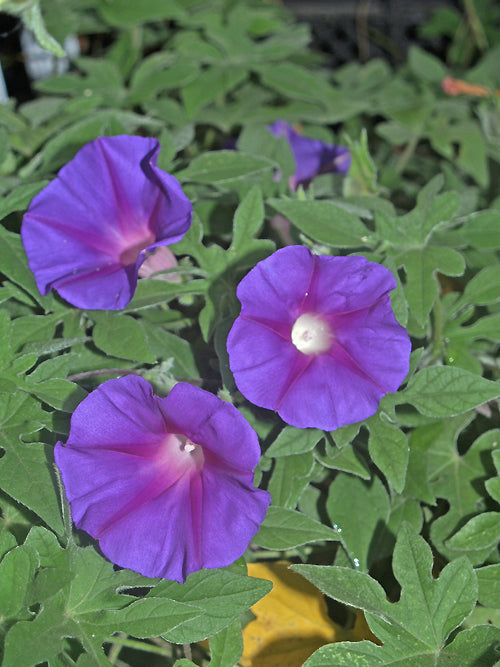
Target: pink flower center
131,252
180,456
311,334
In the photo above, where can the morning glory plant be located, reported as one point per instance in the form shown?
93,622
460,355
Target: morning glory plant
210,384
316,339
164,484
312,156
87,233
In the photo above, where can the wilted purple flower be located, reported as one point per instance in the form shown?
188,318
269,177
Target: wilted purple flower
316,339
87,233
312,156
164,484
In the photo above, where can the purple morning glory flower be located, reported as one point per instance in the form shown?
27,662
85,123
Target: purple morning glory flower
87,233
312,156
316,339
164,484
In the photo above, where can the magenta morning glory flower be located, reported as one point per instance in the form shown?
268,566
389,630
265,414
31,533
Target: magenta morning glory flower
164,484
312,156
87,233
316,339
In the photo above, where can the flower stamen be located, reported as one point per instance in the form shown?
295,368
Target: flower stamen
311,334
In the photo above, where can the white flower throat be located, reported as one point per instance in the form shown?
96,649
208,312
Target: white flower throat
311,334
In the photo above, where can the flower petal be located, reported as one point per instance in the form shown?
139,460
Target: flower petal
139,524
263,363
347,284
312,156
230,501
376,343
215,425
164,484
329,394
275,289
119,412
90,227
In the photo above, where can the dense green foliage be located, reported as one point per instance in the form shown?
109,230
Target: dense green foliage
366,512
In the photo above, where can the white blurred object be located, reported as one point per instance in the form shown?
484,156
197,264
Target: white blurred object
39,63
3,88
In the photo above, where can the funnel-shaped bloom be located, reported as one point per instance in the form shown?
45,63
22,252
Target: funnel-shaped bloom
87,233
164,484
312,156
316,339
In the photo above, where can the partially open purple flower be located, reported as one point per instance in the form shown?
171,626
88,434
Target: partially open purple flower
312,156
316,339
87,233
164,484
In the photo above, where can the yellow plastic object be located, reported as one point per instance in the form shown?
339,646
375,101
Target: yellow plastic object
291,621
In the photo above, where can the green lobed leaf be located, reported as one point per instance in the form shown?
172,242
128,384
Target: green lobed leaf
33,329
481,230
441,391
18,199
158,73
26,469
293,440
428,609
488,579
296,82
426,66
7,542
419,462
32,16
366,654
414,229
121,336
245,249
153,292
6,352
210,85
472,154
122,13
248,220
477,646
40,639
165,345
146,617
389,450
324,221
258,140
17,570
421,286
60,394
459,479
347,458
493,485
79,592
217,596
484,288
285,528
362,522
226,647
225,168
15,266
480,532
290,477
